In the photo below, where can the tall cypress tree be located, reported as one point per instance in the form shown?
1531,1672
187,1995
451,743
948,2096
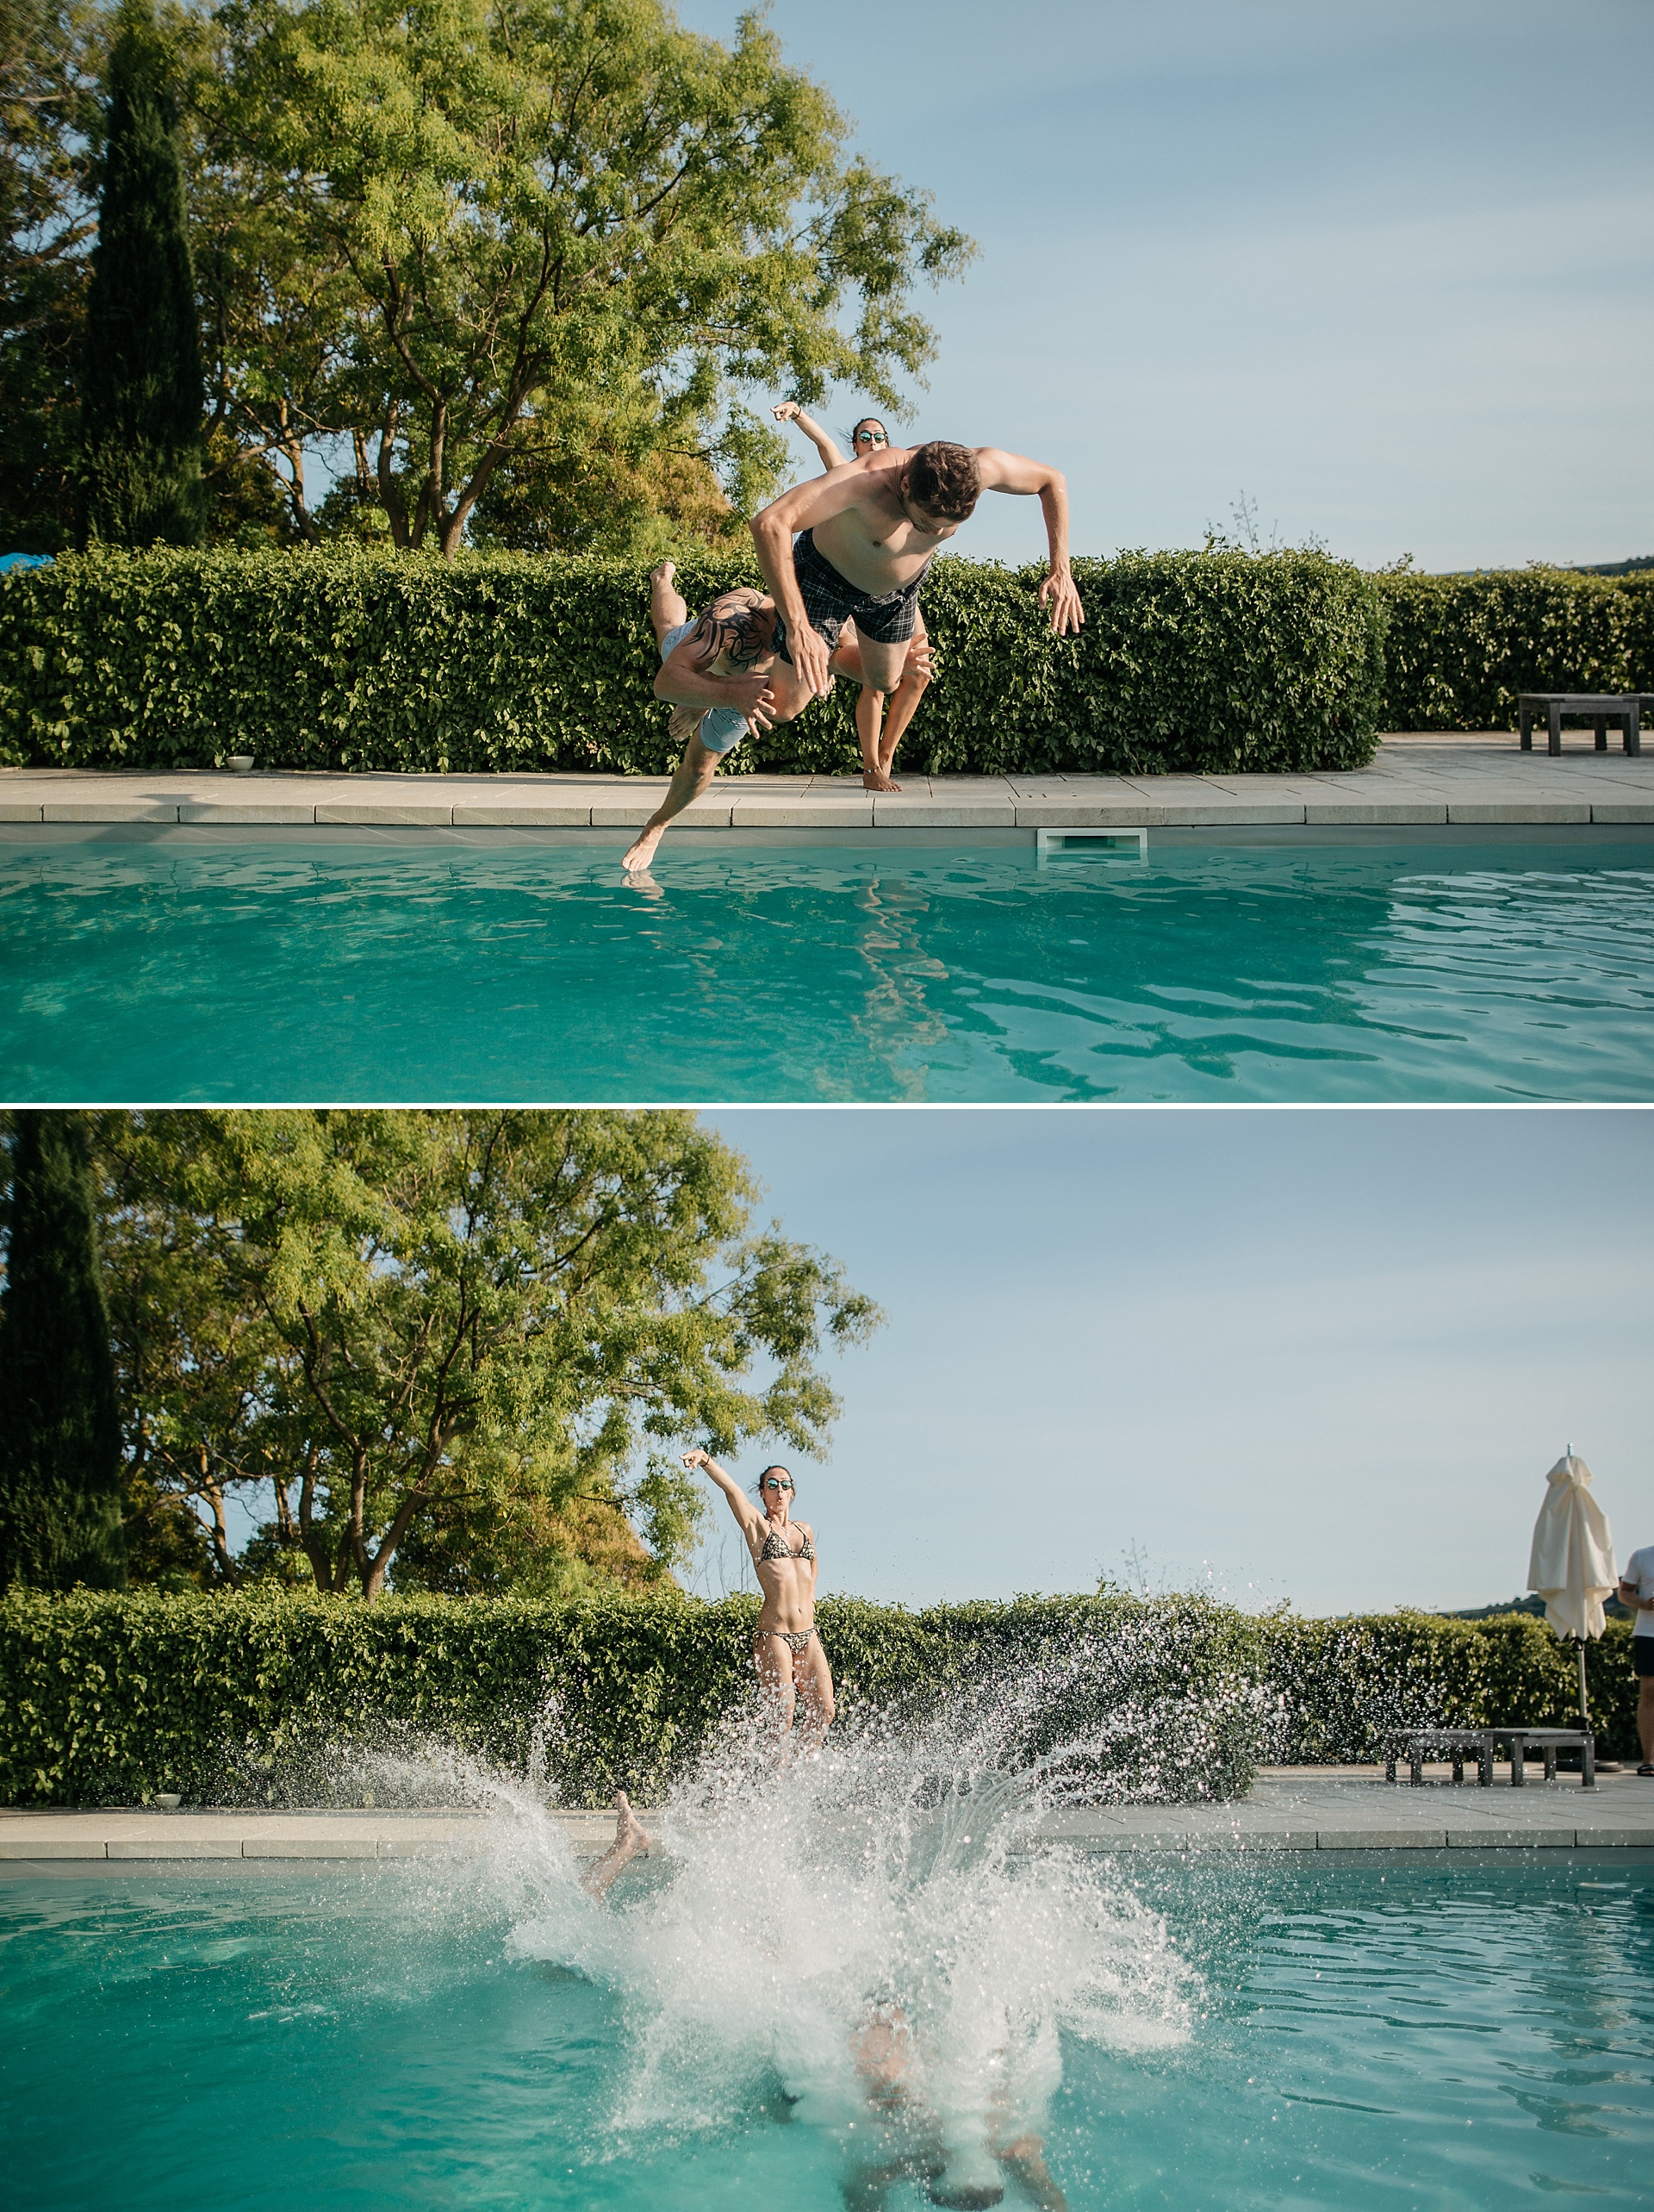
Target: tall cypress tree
60,1461
141,384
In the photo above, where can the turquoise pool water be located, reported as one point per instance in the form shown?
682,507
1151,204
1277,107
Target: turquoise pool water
1414,2035
521,971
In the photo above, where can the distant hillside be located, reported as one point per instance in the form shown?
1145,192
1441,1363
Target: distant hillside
1636,562
1531,1603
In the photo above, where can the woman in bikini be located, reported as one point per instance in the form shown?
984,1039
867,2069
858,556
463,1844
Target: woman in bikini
785,1648
879,738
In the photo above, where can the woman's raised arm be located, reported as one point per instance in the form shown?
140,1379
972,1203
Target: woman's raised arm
790,411
741,1505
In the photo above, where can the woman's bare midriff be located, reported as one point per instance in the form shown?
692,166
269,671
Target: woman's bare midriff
789,1588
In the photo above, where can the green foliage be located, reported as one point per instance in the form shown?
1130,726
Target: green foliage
49,60
455,1331
1347,1681
349,658
1459,648
142,376
61,1478
106,1698
490,243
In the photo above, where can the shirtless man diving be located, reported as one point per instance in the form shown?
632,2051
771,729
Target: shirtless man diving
867,533
856,542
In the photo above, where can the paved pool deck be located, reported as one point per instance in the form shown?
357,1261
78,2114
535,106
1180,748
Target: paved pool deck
1338,1810
1429,782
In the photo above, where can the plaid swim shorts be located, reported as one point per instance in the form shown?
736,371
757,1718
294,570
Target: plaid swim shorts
831,600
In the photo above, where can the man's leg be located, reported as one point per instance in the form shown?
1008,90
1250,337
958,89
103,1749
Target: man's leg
666,606
916,678
1646,1717
695,772
630,1838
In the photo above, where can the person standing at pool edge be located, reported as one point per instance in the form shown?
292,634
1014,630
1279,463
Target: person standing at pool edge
1636,1591
785,1648
866,536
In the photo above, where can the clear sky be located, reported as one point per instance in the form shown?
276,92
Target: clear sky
1326,1357
1383,265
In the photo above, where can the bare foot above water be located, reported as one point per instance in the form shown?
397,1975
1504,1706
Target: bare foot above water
636,858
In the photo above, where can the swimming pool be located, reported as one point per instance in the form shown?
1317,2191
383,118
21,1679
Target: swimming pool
505,968
1355,2036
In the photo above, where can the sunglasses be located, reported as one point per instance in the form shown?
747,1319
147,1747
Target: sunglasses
770,1483
871,438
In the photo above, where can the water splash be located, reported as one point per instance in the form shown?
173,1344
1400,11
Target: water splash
873,1942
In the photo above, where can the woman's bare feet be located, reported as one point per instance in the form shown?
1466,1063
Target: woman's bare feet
877,780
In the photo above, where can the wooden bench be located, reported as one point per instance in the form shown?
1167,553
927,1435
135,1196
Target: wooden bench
1547,1742
1599,708
1416,1745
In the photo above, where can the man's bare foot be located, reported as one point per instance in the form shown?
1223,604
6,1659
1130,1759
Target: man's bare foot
636,858
877,781
628,1830
631,1837
663,572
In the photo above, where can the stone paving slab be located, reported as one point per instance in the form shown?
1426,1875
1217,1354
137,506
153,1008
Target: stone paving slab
1297,1810
1477,779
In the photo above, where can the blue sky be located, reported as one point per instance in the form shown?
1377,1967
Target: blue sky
1383,265
1326,1357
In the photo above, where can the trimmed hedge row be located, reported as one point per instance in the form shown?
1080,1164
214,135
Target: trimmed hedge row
1459,648
107,1697
350,659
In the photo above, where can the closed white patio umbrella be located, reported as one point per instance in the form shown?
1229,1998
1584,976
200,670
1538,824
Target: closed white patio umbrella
1571,1565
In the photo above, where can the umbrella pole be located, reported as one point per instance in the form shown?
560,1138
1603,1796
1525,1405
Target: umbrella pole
1584,1710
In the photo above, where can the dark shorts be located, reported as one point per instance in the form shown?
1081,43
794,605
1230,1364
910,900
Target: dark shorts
1642,1654
831,600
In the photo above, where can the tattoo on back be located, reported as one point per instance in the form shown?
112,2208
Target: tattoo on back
738,624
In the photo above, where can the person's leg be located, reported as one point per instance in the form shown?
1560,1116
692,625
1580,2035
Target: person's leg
695,772
916,678
630,1838
1646,1717
1025,2158
815,1680
773,1661
667,606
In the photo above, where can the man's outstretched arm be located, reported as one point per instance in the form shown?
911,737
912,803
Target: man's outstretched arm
1014,473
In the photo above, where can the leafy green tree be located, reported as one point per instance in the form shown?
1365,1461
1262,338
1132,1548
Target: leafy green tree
462,1340
61,1471
50,55
142,387
478,226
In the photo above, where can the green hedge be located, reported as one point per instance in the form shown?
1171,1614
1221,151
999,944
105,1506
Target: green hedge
107,1697
346,658
1459,648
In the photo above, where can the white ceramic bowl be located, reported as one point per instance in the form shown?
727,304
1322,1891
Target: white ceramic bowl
241,762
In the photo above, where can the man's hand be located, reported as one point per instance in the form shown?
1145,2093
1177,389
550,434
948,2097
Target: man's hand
809,657
1058,593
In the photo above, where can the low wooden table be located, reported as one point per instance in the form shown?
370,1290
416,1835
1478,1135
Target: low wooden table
1599,708
1416,1745
1547,1742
